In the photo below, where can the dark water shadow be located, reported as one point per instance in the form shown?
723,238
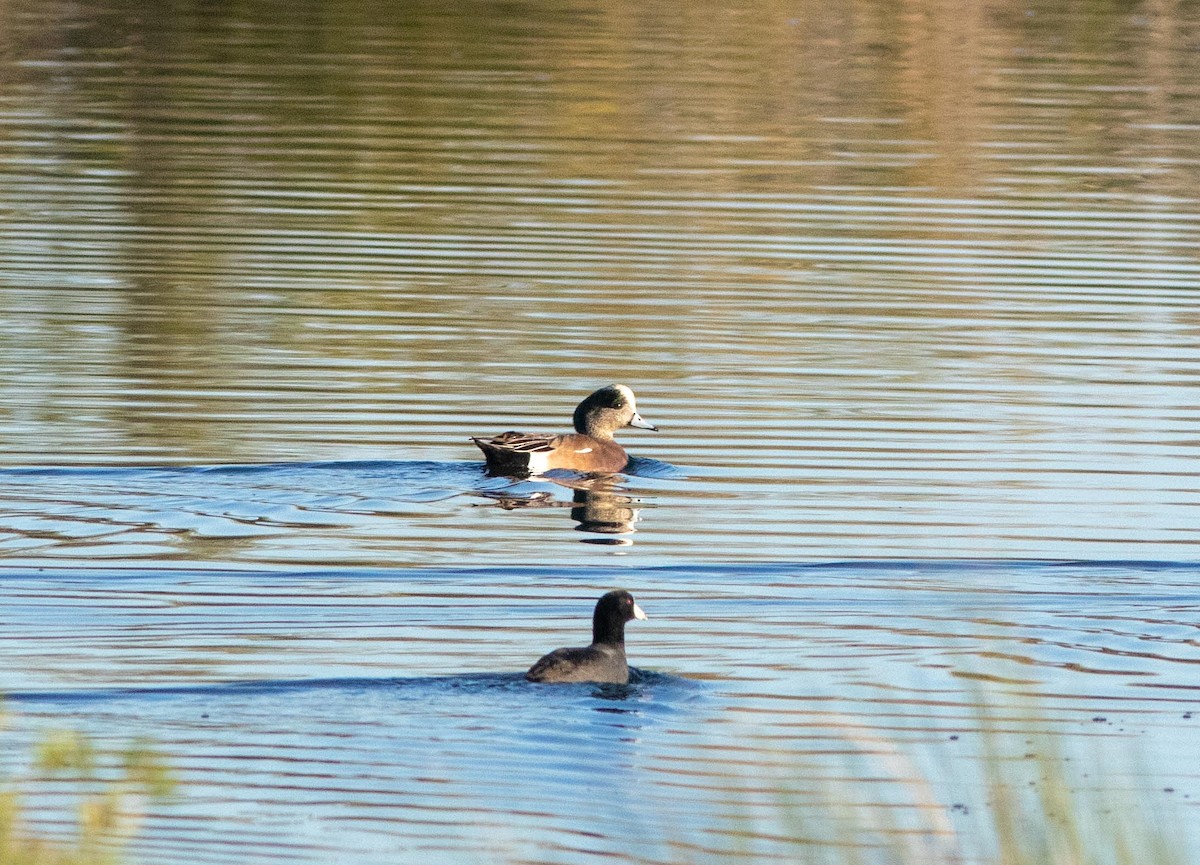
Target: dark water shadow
405,478
638,466
468,685
142,505
252,510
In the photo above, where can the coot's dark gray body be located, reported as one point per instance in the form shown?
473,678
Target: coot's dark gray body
602,661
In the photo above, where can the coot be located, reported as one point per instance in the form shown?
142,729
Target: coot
602,661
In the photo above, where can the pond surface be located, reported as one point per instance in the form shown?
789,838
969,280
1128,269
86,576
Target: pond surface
911,292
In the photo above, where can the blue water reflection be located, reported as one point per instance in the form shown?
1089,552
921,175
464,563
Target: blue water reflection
347,707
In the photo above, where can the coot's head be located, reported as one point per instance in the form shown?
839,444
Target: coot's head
612,612
607,410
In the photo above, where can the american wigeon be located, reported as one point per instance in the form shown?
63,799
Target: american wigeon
591,448
602,661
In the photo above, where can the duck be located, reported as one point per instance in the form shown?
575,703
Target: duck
604,660
591,448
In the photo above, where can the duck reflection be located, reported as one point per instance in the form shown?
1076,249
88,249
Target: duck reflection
598,505
604,511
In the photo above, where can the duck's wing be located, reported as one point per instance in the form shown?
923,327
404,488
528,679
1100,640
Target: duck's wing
518,442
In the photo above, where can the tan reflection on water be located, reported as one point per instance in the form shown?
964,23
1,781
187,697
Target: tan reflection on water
919,272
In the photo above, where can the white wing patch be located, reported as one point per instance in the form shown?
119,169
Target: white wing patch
584,451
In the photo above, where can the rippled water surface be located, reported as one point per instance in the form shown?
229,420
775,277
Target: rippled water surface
911,291
380,714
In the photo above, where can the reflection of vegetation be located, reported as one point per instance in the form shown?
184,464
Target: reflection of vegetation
1030,807
1040,814
111,791
432,188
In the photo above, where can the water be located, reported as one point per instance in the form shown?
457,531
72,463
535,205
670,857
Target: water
375,714
912,295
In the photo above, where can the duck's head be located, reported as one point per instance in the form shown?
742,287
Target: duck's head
608,410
